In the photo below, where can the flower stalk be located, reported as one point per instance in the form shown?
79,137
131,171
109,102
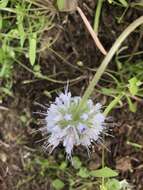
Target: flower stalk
107,60
73,121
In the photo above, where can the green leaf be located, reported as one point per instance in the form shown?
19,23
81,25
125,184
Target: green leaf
112,104
84,173
3,3
20,18
6,53
113,184
6,91
1,22
133,86
58,184
76,162
63,166
32,48
21,30
110,1
61,4
135,145
132,106
21,33
36,68
124,3
102,187
104,172
44,163
110,91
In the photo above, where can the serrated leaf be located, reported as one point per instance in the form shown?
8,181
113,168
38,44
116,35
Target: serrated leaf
104,172
32,48
84,173
58,184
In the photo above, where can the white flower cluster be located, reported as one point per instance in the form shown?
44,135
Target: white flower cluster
70,128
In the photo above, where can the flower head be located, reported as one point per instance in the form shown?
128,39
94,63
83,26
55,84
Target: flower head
69,128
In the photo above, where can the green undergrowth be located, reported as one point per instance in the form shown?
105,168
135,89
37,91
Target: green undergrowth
128,81
22,25
62,175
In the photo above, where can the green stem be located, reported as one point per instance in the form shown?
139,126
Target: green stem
112,104
107,59
106,112
97,15
103,161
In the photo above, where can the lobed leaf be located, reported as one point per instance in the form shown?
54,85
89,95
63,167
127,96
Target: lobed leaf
104,172
58,184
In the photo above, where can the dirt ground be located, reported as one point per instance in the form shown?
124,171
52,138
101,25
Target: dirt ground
18,143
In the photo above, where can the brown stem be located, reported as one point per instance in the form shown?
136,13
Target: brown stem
91,31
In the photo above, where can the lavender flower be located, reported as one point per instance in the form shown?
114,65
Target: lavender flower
70,128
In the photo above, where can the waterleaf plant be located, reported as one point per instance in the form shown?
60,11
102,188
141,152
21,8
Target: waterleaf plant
75,121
